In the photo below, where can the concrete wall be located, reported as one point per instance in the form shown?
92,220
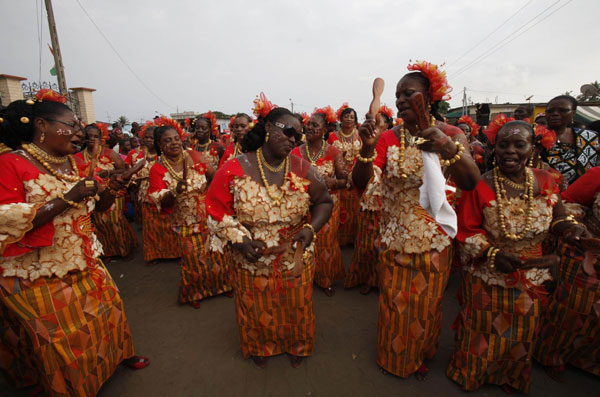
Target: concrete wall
10,88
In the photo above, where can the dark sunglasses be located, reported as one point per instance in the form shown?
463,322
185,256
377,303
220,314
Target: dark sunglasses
287,130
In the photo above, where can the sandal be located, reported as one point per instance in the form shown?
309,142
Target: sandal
195,304
260,361
137,362
295,360
329,291
422,372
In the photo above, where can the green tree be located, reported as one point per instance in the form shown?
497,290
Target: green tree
123,121
595,97
443,107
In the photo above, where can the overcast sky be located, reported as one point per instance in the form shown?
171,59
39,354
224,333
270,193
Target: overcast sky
219,54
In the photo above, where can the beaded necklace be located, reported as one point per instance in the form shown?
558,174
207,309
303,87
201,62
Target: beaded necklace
87,156
201,147
40,159
46,156
501,196
276,198
312,160
269,166
169,166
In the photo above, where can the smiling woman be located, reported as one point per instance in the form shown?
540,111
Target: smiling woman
60,312
258,209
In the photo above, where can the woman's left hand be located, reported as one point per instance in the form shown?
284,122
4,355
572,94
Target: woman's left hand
304,236
573,234
438,142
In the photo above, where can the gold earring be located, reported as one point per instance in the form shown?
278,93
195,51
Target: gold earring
530,163
267,137
494,161
42,137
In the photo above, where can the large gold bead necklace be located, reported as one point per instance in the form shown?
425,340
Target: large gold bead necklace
276,198
38,154
501,197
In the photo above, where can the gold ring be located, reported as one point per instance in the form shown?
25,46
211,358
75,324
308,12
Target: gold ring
89,183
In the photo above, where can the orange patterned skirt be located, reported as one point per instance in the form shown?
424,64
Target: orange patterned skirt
160,241
363,269
57,333
570,329
113,230
203,273
272,322
349,209
411,288
328,255
495,336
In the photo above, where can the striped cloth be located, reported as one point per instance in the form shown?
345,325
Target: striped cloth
57,333
349,209
365,258
411,287
113,230
160,241
328,255
570,328
272,322
203,273
495,336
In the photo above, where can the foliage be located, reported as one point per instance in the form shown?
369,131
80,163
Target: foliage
123,121
593,98
443,107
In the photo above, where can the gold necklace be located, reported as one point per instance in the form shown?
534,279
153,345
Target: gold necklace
269,166
201,147
153,157
42,161
313,161
528,196
236,149
517,186
48,157
402,150
167,163
4,148
88,158
346,136
276,198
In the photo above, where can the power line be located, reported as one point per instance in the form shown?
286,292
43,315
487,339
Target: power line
505,93
491,33
502,42
514,38
123,60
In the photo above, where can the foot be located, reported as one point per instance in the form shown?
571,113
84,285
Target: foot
557,372
365,289
508,389
383,371
261,362
422,372
295,360
195,304
329,291
137,362
229,294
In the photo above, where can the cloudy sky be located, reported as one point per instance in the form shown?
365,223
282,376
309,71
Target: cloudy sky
219,54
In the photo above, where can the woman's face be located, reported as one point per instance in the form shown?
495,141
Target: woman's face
202,130
348,120
559,113
148,140
521,113
513,149
62,133
406,87
240,127
465,128
542,121
315,129
93,136
170,143
282,135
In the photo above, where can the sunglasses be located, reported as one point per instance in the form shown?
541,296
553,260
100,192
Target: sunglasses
287,129
74,124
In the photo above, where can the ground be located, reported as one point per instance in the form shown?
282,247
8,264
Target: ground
195,352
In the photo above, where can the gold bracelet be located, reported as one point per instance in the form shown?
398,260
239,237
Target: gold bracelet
568,218
460,149
69,202
492,258
368,159
312,229
174,191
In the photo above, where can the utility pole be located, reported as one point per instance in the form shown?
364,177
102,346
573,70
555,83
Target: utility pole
60,70
292,103
464,101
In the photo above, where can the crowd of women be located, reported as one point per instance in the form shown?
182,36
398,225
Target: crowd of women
262,214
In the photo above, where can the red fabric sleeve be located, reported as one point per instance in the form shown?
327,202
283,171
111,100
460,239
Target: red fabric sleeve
228,152
386,139
332,138
129,157
157,183
470,211
15,171
582,191
219,200
332,152
296,152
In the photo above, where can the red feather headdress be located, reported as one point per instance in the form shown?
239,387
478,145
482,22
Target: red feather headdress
330,115
439,89
465,119
548,137
498,122
213,122
142,131
262,106
231,121
305,118
387,111
398,121
340,110
46,94
103,128
165,121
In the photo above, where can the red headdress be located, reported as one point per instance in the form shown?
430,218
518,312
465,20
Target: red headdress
398,121
165,121
262,106
330,115
187,123
231,121
465,119
46,94
103,128
340,110
213,122
387,111
439,89
142,131
498,122
305,118
548,137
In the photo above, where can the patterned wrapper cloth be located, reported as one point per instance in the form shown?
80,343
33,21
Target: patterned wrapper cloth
411,288
349,212
113,230
328,256
365,258
62,333
160,241
570,328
